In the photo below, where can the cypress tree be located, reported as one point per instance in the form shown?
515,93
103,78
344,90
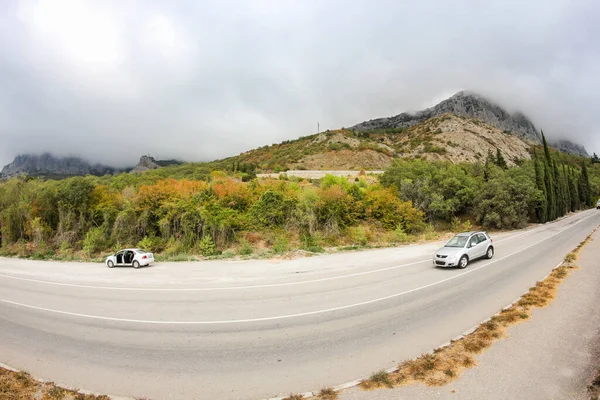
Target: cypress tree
546,149
560,191
566,188
575,202
585,195
550,197
500,161
541,210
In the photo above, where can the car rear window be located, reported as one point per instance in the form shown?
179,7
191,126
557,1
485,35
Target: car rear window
142,251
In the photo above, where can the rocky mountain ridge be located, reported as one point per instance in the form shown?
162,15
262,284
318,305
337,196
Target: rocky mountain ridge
472,105
566,146
48,165
148,163
464,104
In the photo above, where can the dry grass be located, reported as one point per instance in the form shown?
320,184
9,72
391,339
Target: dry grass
378,380
294,397
21,386
446,363
327,394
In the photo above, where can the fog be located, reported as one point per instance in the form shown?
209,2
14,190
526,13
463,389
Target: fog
197,80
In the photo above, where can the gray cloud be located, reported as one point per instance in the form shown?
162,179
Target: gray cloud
111,80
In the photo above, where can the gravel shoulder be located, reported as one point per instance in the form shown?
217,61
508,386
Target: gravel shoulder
554,355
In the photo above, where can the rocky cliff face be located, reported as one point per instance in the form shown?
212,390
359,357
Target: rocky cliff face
569,147
147,163
464,104
49,165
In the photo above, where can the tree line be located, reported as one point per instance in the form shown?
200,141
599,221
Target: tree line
208,212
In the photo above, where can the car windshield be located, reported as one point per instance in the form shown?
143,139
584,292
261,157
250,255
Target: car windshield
457,241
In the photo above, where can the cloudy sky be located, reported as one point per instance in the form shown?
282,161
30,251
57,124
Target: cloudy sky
198,80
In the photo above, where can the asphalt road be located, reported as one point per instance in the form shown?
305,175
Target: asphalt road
257,329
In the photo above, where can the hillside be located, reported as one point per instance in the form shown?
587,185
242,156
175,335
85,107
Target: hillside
448,137
465,104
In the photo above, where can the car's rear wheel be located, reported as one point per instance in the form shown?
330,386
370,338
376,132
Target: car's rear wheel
490,253
464,261
110,264
136,264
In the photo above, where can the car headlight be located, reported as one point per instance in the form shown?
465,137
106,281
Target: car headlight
452,257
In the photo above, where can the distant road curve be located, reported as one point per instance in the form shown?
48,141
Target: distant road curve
257,329
317,174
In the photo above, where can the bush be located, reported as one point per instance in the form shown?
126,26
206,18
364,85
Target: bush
207,246
150,243
94,241
400,235
359,236
245,249
311,243
281,245
505,202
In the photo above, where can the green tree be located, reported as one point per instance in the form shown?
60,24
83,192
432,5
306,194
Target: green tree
500,161
585,194
541,210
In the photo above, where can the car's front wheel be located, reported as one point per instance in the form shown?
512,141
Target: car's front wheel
490,253
110,264
464,261
136,264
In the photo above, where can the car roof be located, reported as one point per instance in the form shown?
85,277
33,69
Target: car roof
469,233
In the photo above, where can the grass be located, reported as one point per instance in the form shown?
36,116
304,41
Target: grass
446,363
378,380
294,397
327,394
21,386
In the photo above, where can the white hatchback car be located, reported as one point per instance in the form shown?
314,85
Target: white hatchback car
463,248
135,258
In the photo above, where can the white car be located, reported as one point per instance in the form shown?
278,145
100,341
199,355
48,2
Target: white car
463,248
135,258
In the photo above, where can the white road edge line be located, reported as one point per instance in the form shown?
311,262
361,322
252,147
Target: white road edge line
288,316
206,289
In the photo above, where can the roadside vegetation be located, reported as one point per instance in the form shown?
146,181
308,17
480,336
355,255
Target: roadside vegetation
21,386
192,210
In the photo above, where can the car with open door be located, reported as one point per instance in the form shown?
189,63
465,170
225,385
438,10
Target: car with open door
464,248
135,258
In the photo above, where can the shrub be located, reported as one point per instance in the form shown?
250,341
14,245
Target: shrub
245,248
207,246
150,243
281,244
359,236
271,209
94,241
400,235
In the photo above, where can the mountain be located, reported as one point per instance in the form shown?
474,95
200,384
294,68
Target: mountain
569,147
51,166
447,137
465,104
147,163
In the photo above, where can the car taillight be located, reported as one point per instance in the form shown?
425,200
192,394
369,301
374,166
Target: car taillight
144,257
